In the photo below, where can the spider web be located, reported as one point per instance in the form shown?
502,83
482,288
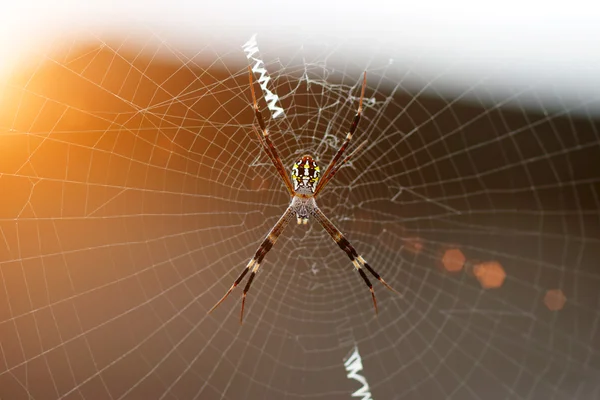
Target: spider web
133,192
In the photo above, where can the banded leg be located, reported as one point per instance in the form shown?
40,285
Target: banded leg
358,261
340,165
264,145
254,264
267,143
344,145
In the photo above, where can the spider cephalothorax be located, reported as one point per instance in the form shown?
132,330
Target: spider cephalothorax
306,183
303,206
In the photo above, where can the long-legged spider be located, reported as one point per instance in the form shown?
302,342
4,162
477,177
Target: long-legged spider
304,187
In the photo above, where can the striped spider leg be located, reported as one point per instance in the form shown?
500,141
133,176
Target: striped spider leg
254,263
358,261
327,175
304,185
266,142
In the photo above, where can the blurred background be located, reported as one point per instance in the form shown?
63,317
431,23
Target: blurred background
133,191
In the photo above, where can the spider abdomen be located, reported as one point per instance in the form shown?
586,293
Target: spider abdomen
305,175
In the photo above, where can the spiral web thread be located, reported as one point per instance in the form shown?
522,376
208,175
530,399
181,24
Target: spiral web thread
133,192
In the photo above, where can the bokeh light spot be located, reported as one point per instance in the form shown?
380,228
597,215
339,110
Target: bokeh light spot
453,260
490,274
555,299
414,245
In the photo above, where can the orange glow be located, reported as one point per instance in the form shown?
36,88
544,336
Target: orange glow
555,299
414,245
490,274
259,183
453,260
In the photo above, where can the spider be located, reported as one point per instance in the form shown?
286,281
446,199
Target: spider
305,184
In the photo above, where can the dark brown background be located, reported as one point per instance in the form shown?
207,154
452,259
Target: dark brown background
130,198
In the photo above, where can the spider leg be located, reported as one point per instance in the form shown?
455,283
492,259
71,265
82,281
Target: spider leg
267,143
340,165
264,146
358,261
326,176
254,264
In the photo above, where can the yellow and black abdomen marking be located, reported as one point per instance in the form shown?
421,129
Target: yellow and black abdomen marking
305,175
